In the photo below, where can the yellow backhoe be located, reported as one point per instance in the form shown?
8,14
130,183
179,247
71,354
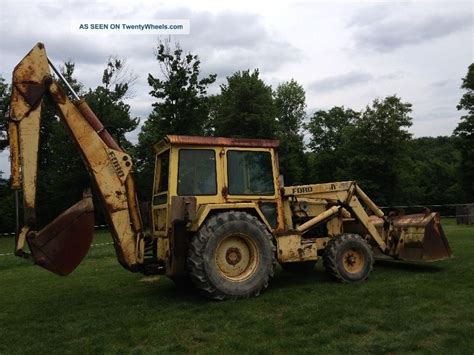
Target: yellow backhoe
220,217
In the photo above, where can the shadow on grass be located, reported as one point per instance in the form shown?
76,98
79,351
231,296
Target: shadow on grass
407,266
286,279
166,292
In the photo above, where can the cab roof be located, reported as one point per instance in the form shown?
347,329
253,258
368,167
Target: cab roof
216,141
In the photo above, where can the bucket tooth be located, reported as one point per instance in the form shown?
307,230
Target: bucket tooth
62,245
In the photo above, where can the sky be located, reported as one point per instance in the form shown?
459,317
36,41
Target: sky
344,53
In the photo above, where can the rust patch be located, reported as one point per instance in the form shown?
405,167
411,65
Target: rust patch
62,245
58,95
222,141
300,253
225,192
417,237
94,121
32,92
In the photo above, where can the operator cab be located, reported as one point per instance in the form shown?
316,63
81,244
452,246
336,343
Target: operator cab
213,170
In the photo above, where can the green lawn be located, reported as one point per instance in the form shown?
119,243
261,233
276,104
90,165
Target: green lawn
103,308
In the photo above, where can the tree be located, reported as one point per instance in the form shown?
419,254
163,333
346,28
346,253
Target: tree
182,106
107,101
7,209
4,101
465,134
62,176
290,105
428,172
375,146
246,107
328,160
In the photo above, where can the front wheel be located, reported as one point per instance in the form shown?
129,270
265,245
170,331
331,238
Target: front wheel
232,256
348,258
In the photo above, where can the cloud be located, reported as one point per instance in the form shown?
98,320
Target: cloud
446,82
340,81
385,28
226,41
230,41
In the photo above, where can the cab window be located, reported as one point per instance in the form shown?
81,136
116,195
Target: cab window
250,173
197,172
161,172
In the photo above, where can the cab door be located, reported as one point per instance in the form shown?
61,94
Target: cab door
159,203
251,175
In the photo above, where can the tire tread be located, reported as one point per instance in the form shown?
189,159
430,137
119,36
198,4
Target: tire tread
198,244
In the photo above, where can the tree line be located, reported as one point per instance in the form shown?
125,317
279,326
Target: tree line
372,146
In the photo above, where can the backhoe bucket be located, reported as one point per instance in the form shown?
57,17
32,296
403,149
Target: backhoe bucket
419,237
62,245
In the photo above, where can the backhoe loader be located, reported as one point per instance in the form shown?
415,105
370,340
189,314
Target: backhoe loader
221,218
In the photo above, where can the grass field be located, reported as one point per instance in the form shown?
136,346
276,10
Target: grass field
101,308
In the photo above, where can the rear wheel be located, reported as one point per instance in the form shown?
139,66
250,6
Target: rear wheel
348,258
299,267
232,256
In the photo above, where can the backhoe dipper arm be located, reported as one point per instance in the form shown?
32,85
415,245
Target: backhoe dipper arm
61,246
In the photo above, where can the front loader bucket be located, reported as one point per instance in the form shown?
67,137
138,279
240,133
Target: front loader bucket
62,245
415,237
421,238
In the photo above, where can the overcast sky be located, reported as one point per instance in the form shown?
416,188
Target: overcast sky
343,53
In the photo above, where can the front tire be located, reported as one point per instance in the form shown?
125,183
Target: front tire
348,258
232,256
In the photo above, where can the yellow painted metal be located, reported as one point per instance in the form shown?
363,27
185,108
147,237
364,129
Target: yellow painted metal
321,243
108,172
288,214
319,218
24,126
291,248
345,213
109,168
368,202
364,219
13,138
159,212
221,200
335,226
205,204
28,129
333,189
237,257
204,210
353,260
20,241
336,193
312,200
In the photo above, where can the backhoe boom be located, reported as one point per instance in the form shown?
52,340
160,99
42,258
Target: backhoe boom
108,166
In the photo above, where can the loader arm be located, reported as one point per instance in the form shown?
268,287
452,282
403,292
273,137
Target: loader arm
61,246
417,237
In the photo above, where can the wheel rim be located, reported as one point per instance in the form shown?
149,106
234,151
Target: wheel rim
353,260
237,257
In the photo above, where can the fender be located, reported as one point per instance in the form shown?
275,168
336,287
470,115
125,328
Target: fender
204,210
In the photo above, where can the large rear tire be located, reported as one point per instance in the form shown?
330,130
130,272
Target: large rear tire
348,258
232,256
